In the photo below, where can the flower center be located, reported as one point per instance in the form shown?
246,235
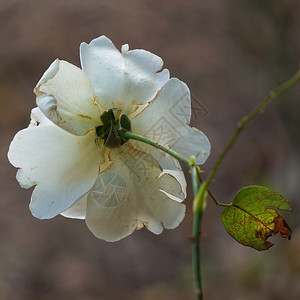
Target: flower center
109,131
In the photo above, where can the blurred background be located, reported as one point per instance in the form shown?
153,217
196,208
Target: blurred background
231,54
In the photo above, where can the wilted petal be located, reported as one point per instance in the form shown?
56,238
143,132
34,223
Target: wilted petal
166,121
66,96
131,196
61,165
122,80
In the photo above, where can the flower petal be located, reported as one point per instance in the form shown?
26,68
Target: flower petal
180,178
130,197
110,215
122,79
194,143
77,210
66,96
63,170
159,211
38,118
165,120
169,164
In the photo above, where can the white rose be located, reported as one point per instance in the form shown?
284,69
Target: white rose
115,190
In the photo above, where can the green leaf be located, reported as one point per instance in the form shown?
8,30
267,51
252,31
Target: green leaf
251,218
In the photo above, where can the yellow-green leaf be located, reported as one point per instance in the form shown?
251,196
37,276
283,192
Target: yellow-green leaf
252,217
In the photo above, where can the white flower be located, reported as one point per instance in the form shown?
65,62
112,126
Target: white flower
116,190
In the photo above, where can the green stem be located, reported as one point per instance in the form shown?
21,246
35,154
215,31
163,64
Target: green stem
137,137
196,255
130,135
196,235
241,125
245,120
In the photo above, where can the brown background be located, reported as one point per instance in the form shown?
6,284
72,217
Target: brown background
230,53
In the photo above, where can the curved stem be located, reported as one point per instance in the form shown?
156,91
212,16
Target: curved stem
140,138
241,125
137,137
245,120
200,194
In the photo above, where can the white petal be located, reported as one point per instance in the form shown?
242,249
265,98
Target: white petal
61,165
122,80
110,216
159,211
38,118
179,175
50,72
130,197
66,96
166,121
194,143
77,210
169,164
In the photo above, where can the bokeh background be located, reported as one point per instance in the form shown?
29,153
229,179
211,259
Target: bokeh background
231,54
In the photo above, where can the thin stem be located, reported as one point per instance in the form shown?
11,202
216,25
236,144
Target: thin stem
196,235
200,196
241,125
196,255
137,137
245,120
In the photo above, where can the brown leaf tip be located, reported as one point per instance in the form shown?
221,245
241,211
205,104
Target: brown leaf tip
282,227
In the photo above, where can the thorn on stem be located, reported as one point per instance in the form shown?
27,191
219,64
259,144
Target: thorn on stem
198,293
191,238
